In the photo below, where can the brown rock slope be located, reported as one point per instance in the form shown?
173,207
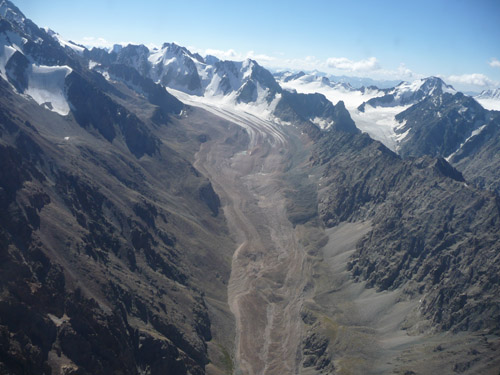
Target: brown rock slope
430,241
114,256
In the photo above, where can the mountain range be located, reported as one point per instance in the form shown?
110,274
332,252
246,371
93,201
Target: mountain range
164,212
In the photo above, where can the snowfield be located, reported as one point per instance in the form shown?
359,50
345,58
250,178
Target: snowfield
352,98
380,123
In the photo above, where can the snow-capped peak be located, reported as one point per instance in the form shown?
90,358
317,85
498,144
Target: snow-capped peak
63,42
489,99
174,49
431,84
489,94
421,88
408,93
316,78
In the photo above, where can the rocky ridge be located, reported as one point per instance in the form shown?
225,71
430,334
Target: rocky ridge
245,85
433,235
109,235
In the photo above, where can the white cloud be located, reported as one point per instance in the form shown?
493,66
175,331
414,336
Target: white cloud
343,63
403,71
261,58
476,79
90,41
230,54
494,63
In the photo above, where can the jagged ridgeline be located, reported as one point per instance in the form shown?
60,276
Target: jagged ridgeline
163,212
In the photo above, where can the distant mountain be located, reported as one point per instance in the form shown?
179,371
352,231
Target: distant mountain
489,94
171,65
359,82
436,120
288,77
246,82
489,99
68,44
354,82
334,91
243,84
410,93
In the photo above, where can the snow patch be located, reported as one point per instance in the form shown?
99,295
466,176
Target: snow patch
46,87
321,122
58,321
472,135
9,43
400,137
92,64
6,53
64,43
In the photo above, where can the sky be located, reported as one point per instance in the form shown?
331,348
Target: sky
458,40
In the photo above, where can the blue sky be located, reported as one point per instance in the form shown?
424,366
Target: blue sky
458,40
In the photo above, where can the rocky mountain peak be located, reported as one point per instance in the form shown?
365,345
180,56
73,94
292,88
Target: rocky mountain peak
435,85
175,49
292,76
211,60
409,93
263,76
10,12
489,94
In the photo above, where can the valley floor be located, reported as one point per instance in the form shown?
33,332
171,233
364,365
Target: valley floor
269,269
296,308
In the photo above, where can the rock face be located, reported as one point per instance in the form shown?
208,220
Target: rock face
439,125
433,235
110,241
458,128
440,122
295,107
94,256
94,109
155,93
478,158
